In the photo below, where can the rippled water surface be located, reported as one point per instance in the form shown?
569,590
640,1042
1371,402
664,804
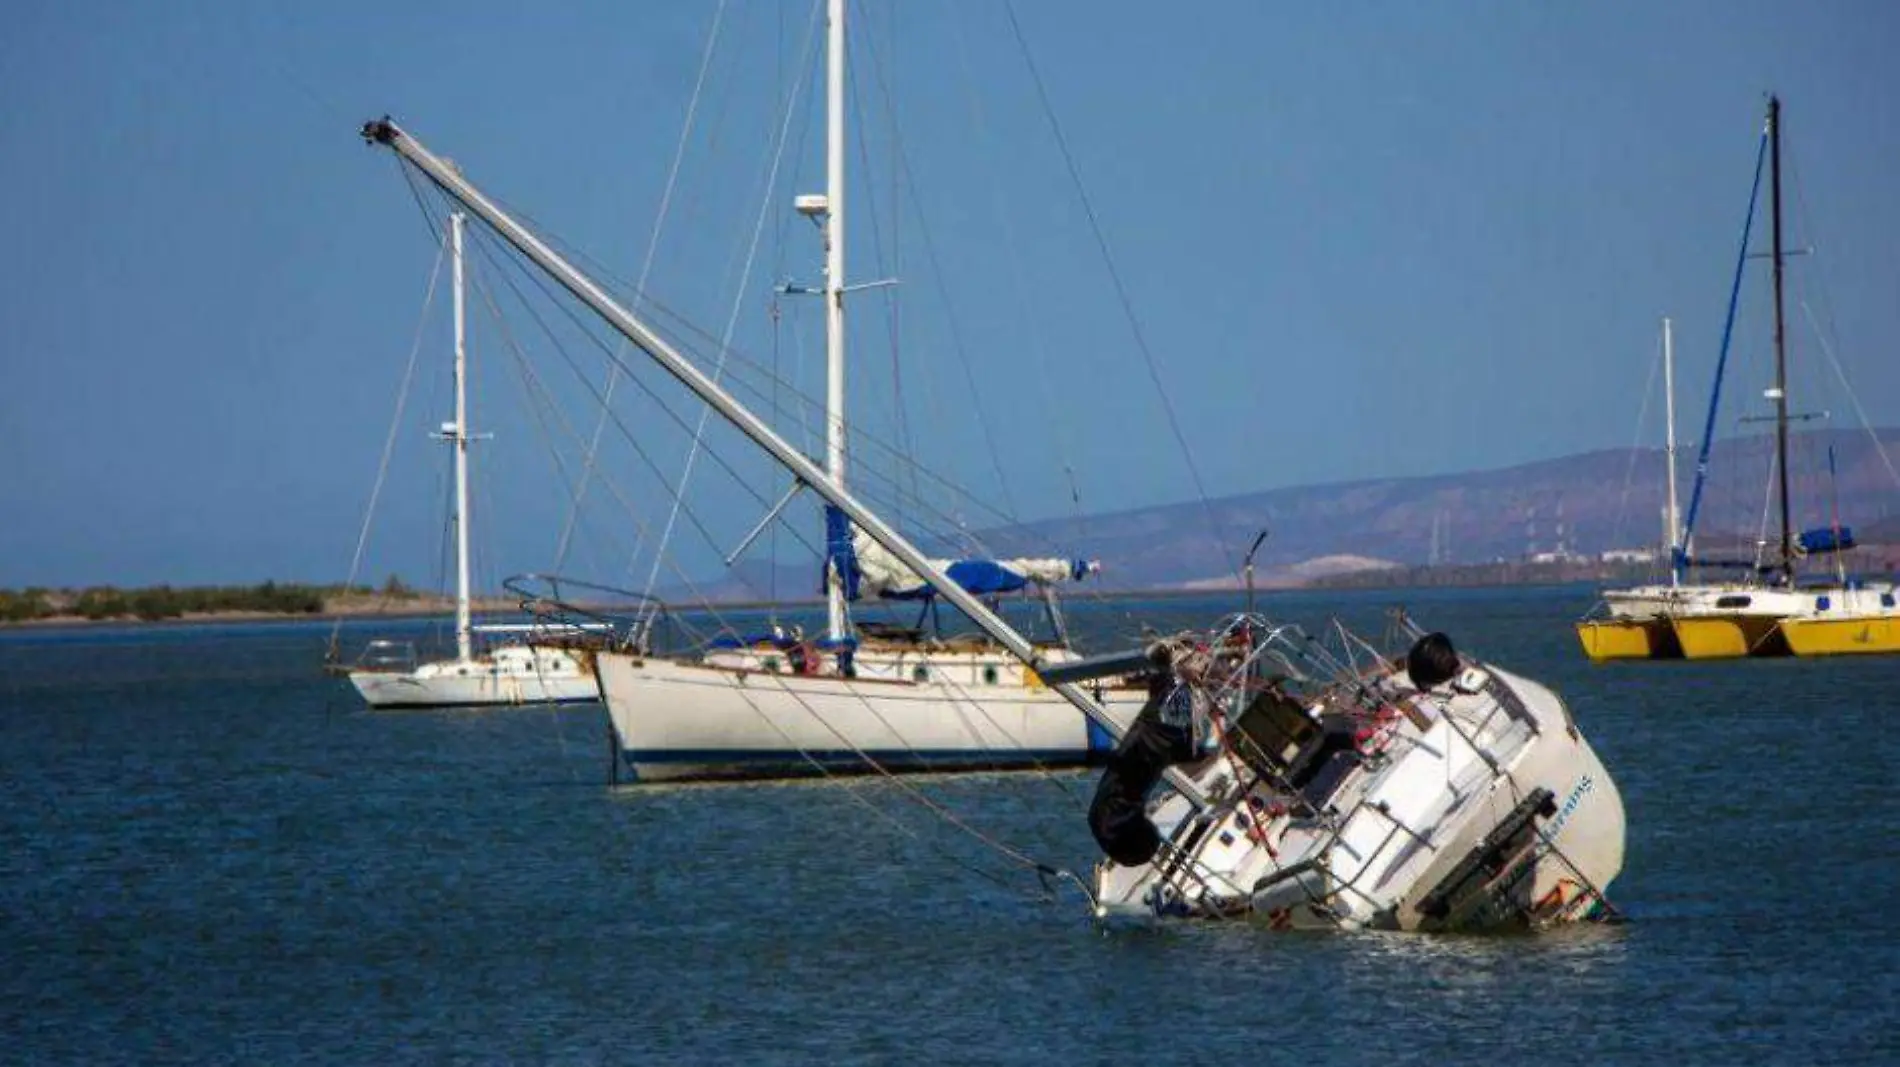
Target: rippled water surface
212,856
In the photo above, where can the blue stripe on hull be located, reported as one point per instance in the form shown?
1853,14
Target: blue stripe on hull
481,704
673,764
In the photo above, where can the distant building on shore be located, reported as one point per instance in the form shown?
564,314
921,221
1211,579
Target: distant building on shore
1630,555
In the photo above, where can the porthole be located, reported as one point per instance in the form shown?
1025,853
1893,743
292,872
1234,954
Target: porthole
920,673
989,674
771,663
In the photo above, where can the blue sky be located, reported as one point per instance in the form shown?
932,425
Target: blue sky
1360,241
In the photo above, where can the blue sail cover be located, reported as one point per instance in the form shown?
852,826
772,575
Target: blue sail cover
1827,539
860,565
841,561
979,576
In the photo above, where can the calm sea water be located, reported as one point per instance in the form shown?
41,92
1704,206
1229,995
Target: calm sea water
212,856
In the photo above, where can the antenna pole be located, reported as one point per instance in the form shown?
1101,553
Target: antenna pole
1257,542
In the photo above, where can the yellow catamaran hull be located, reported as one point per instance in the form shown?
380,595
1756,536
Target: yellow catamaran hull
1849,636
1610,639
1729,636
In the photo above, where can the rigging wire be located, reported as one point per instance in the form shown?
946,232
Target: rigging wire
738,301
868,474
485,249
525,365
646,267
1038,347
1215,528
686,327
1629,470
389,441
886,267
540,404
1852,398
631,438
1004,849
1822,336
955,331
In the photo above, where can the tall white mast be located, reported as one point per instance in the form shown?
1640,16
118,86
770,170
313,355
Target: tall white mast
834,283
457,436
1672,515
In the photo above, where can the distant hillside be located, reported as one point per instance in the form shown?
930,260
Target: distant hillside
1598,500
1595,502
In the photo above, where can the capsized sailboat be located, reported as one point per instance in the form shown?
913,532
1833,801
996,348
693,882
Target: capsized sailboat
511,670
1342,790
1342,786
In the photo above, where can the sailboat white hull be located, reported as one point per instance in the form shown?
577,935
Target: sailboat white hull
685,720
506,676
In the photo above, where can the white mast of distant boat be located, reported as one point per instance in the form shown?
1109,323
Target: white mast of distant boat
1672,515
456,434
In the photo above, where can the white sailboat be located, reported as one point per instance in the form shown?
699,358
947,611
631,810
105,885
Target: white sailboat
853,701
512,670
1638,622
1338,790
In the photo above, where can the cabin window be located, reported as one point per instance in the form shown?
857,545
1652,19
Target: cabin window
1821,603
989,674
771,664
1886,600
1733,601
920,673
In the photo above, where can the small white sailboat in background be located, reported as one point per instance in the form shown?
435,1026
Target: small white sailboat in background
512,669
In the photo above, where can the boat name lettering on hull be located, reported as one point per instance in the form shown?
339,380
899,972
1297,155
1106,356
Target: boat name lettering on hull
1583,786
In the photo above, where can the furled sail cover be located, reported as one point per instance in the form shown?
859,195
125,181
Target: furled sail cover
1827,539
863,566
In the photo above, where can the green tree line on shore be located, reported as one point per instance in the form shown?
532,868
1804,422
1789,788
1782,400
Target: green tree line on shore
165,602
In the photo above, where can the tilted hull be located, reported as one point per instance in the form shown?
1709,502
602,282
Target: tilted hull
680,720
1429,832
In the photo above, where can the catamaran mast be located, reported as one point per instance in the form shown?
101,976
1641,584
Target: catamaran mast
447,178
1781,354
834,284
1671,514
457,436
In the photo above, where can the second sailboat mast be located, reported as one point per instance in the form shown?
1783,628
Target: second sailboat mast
834,284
